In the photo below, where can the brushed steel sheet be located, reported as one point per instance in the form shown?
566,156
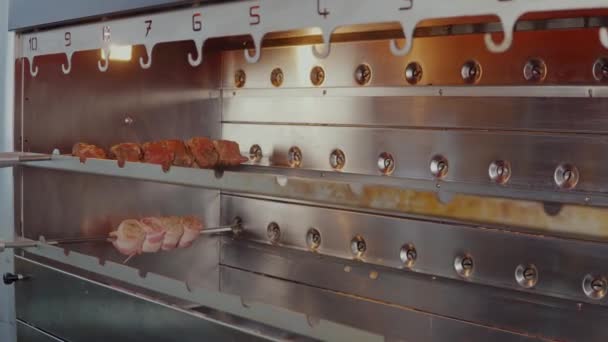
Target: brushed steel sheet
561,263
533,315
362,107
396,323
533,157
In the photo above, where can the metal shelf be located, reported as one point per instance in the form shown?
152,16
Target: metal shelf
270,315
258,18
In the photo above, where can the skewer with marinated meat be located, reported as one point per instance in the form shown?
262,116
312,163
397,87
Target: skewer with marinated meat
126,152
204,152
84,151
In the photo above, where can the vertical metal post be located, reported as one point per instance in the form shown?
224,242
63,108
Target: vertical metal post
7,208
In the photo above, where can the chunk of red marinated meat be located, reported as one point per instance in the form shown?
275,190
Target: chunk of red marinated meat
204,152
129,237
123,152
229,153
158,152
183,157
192,230
84,151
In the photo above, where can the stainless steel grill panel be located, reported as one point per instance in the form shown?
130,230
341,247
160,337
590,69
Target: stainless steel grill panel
560,319
562,264
396,324
534,158
454,193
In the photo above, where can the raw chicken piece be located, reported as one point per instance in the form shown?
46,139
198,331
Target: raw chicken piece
174,232
158,152
183,157
124,152
229,153
204,152
192,230
84,151
155,234
129,236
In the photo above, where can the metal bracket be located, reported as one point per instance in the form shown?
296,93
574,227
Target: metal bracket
260,17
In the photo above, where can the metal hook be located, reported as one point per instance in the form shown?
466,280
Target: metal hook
408,32
104,67
33,69
508,25
199,57
326,46
257,47
66,69
604,37
148,64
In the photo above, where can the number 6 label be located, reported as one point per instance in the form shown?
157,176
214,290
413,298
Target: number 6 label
197,24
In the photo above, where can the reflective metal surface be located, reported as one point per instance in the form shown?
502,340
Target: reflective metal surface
78,310
533,157
176,102
59,210
396,323
441,59
274,316
29,333
540,317
481,255
452,201
471,206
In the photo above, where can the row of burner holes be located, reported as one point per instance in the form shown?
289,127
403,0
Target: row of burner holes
534,70
526,276
565,176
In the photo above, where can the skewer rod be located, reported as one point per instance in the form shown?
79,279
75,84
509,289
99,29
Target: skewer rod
32,243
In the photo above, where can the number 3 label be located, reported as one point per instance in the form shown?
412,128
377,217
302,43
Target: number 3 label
197,25
68,39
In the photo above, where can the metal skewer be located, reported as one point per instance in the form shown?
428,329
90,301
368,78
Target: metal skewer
235,228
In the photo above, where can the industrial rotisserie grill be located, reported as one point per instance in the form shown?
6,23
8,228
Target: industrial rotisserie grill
307,170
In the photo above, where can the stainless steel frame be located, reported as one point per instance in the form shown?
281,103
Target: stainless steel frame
7,209
430,191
